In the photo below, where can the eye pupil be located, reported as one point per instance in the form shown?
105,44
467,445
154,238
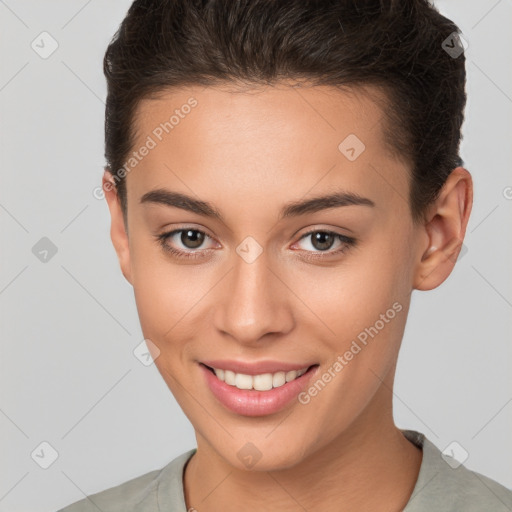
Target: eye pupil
321,236
196,236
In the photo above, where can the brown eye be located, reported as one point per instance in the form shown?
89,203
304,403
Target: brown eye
192,238
322,240
185,243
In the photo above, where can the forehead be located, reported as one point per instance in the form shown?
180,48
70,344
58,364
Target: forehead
219,140
310,112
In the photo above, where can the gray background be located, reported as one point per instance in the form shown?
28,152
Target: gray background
68,375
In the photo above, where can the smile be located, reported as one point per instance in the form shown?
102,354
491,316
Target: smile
260,382
256,389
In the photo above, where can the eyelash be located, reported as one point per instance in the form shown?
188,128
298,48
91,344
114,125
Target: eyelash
347,243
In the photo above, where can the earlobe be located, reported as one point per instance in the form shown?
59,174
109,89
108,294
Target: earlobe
445,228
118,231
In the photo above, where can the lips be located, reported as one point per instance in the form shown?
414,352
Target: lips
253,402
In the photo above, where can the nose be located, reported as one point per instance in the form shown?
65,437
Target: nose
253,302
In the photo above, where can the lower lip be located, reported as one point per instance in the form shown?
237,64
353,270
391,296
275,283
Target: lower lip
249,402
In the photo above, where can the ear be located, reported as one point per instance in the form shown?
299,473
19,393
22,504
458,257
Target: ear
444,230
118,231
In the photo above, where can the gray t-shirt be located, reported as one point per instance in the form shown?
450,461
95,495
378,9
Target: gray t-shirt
440,487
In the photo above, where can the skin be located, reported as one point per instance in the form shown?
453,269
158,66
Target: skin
249,153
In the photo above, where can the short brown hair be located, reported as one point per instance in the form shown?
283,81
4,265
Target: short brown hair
397,45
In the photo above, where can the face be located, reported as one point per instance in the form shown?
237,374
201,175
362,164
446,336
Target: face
255,282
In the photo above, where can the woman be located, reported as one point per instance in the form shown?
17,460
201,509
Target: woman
280,177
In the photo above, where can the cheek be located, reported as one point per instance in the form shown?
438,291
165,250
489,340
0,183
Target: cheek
166,301
362,310
172,303
360,321
347,298
162,291
359,313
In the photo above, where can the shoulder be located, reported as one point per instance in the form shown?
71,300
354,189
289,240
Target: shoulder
445,485
139,494
464,489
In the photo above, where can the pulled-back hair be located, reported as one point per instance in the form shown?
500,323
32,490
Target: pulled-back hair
399,46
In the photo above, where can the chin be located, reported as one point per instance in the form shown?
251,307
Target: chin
266,454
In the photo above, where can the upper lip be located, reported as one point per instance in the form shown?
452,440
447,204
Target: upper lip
255,368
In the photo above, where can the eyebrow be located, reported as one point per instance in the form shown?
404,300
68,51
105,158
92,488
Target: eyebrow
291,209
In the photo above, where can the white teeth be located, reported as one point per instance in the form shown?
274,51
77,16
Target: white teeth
243,381
291,375
261,382
229,377
278,379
